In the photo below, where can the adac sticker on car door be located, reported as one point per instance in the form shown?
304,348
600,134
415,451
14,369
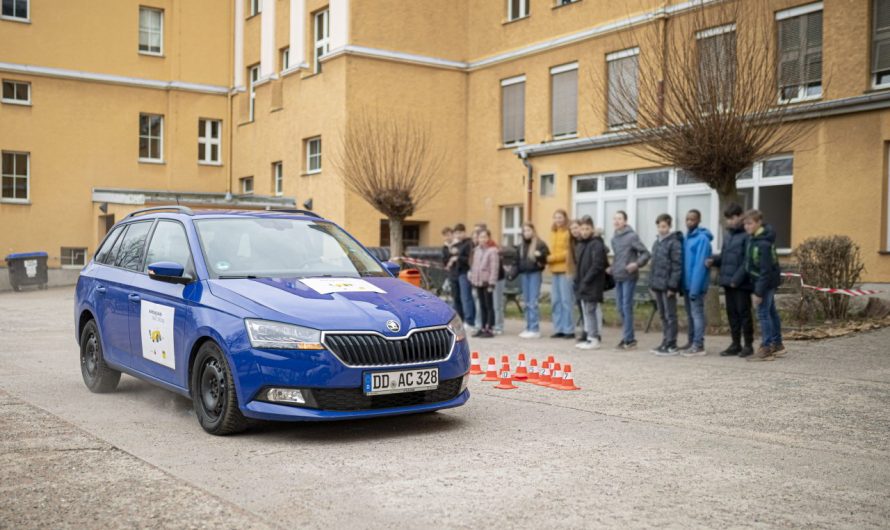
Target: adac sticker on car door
156,328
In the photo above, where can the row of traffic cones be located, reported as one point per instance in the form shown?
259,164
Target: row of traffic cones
550,374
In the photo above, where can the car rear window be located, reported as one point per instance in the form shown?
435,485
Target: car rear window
104,254
132,247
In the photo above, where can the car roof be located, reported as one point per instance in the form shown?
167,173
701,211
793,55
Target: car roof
182,212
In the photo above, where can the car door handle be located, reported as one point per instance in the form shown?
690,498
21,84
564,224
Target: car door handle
133,297
101,290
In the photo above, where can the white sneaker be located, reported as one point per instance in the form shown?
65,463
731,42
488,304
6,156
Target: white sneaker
588,345
530,335
524,334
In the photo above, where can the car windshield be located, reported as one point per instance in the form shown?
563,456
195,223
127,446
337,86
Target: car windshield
253,247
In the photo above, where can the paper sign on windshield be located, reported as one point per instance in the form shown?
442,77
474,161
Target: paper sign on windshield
156,328
341,285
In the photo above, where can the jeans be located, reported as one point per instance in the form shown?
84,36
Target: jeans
499,303
593,319
770,324
738,313
486,306
466,299
624,300
667,309
531,292
562,300
695,311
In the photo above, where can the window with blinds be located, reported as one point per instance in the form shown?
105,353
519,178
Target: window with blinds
623,87
881,43
564,102
513,110
717,67
800,56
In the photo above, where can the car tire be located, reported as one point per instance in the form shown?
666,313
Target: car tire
97,376
213,393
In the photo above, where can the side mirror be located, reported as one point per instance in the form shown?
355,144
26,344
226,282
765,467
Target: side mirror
168,271
392,267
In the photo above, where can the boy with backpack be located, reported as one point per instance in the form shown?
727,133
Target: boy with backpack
665,281
762,265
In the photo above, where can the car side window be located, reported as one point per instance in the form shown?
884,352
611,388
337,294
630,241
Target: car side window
170,243
132,247
104,254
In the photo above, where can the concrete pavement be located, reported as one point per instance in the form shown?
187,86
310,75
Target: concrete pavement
803,441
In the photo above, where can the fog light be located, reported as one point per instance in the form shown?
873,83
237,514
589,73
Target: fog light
464,382
285,395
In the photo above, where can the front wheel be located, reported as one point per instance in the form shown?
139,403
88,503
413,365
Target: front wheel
213,393
98,377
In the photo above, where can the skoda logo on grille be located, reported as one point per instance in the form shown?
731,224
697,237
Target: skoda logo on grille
393,326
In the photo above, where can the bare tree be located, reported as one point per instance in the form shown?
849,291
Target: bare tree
392,163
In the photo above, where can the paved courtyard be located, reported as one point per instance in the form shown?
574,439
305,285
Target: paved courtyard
705,442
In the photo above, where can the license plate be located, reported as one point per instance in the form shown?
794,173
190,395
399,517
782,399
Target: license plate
377,383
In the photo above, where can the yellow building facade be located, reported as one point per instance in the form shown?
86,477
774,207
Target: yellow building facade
254,95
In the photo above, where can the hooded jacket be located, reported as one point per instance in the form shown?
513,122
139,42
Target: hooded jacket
628,249
696,249
590,271
762,262
667,263
486,262
732,260
533,263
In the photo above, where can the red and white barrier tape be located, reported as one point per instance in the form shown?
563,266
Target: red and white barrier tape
419,262
831,290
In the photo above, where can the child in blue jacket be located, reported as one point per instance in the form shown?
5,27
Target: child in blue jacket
696,277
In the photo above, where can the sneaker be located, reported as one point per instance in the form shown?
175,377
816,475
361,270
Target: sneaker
530,335
764,353
524,334
658,348
632,345
668,351
570,336
478,333
620,346
486,334
779,350
588,345
695,351
498,332
747,351
583,337
734,349
687,346
557,335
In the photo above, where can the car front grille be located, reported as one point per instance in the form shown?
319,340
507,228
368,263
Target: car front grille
368,349
355,399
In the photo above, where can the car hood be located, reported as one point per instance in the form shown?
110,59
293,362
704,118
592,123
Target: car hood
290,300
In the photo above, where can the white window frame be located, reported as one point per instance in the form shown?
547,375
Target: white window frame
16,18
80,265
504,83
310,157
253,75
244,182
256,7
515,234
875,84
617,56
207,139
321,42
278,178
16,83
523,10
160,139
552,177
285,58
159,31
802,89
15,176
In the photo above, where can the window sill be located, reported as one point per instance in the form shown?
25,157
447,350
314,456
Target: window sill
621,128
806,99
878,88
16,102
151,161
293,69
570,136
212,164
310,75
309,173
15,19
23,202
152,54
512,20
513,145
884,252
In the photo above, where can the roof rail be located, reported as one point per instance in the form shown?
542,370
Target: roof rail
309,213
181,209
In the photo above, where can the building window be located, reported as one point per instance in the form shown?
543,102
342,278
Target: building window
623,91
511,225
517,9
253,75
16,92
151,138
410,234
73,257
548,185
717,67
513,110
151,31
278,178
313,155
880,55
322,37
800,53
285,58
16,176
564,100
256,7
15,9
246,185
209,141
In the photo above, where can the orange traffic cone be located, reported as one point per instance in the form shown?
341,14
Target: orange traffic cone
533,371
505,359
551,360
556,376
544,377
568,380
506,382
475,366
521,371
491,373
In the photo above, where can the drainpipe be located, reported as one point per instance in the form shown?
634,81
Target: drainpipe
529,190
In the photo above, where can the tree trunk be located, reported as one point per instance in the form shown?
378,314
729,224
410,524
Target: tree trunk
395,237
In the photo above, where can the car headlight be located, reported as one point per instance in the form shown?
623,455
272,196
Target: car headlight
278,335
457,327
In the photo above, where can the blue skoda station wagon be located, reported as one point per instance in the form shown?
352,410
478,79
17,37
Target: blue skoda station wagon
276,315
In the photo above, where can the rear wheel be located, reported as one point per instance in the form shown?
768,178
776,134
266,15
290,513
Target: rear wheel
98,377
213,393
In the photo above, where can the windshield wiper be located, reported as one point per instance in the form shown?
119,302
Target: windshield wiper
238,277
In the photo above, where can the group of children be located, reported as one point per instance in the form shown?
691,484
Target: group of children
581,273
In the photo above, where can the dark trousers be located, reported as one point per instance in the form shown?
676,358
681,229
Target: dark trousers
486,305
667,309
455,296
738,312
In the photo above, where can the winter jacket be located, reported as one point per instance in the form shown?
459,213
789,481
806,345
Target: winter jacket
628,248
534,264
559,251
731,260
486,262
590,271
696,249
762,262
462,250
666,272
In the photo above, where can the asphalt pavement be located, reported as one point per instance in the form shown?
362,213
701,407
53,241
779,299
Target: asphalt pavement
705,442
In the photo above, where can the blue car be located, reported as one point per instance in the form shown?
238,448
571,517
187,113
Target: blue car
276,315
